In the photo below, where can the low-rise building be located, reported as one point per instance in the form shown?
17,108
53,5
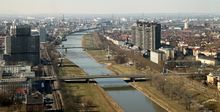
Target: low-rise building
116,42
182,63
218,85
188,51
13,84
20,94
169,53
16,71
209,52
157,56
213,78
207,60
35,103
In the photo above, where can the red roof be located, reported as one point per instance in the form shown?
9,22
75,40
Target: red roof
21,90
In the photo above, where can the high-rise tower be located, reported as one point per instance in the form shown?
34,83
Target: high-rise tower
22,47
148,35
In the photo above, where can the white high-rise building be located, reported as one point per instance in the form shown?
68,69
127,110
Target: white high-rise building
186,24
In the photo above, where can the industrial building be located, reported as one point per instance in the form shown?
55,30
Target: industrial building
147,35
21,46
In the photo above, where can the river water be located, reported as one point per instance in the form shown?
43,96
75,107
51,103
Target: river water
128,98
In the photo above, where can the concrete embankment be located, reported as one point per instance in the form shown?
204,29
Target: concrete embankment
153,98
112,103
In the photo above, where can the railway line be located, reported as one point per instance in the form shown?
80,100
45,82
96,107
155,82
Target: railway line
49,70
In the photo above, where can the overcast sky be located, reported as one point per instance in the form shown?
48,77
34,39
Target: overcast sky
108,6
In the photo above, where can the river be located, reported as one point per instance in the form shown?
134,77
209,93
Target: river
128,98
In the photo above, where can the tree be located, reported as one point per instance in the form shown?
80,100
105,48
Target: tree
6,99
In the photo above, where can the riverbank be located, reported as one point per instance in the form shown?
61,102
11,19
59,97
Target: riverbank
84,97
150,92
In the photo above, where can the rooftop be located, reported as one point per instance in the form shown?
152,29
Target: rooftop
216,73
35,98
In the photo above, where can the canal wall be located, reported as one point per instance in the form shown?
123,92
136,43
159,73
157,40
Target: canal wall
110,100
155,100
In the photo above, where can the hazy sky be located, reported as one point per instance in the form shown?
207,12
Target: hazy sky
108,6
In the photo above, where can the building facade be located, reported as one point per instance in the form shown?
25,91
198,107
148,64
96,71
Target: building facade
169,53
157,56
133,33
207,60
43,35
213,78
218,85
22,47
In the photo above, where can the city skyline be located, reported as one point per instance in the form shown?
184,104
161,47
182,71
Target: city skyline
108,7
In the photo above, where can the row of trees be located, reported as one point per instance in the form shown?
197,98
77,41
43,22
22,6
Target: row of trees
123,56
176,89
6,99
77,103
8,93
173,90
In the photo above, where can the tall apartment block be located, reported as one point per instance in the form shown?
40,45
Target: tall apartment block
147,35
43,34
21,46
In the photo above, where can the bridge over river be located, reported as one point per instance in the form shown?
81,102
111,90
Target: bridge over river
89,78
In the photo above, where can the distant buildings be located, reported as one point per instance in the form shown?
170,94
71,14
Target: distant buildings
21,46
146,35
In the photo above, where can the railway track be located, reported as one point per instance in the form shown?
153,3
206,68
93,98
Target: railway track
58,104
57,101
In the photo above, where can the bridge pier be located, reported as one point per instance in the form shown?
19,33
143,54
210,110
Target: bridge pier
61,62
65,50
87,81
132,79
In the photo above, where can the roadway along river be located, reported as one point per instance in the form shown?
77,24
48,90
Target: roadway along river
127,97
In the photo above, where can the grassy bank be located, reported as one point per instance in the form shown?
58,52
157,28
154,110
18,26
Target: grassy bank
83,97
